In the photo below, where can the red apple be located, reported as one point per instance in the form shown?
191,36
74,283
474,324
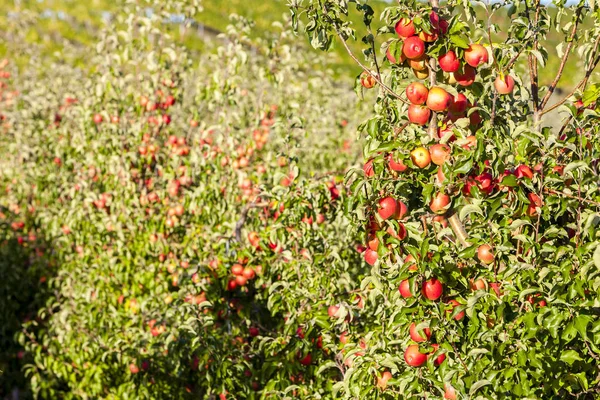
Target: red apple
504,85
404,289
414,334
438,99
370,257
455,304
459,105
440,203
440,153
523,171
418,114
405,28
432,289
414,357
413,47
476,55
332,311
387,207
367,80
417,93
448,62
397,166
485,254
466,77
439,359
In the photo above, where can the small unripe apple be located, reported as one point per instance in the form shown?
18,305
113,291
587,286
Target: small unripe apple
417,93
413,47
485,254
418,114
438,99
504,85
404,28
448,62
414,357
420,157
414,333
432,289
476,55
367,80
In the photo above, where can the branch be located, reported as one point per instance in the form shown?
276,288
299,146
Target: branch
570,196
374,76
584,81
240,223
533,70
458,229
563,62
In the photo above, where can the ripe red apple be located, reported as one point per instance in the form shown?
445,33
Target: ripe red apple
455,304
440,175
448,62
241,280
476,55
485,183
479,284
367,80
466,77
418,114
368,168
371,256
387,207
439,359
401,210
405,28
459,105
449,392
523,171
440,203
438,99
382,381
413,47
404,289
414,334
440,153
420,157
237,269
504,85
98,119
133,368
397,166
417,93
332,311
248,273
485,254
306,360
414,357
432,289
401,235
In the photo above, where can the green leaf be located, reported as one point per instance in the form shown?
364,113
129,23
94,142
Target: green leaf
570,356
478,385
469,209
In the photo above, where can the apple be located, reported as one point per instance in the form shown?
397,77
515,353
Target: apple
382,381
421,74
449,392
392,59
401,235
523,171
241,280
440,175
368,168
428,37
413,47
440,153
439,359
401,210
417,93
404,289
333,310
438,99
448,62
237,269
420,157
454,304
133,368
387,207
306,360
466,77
405,28
418,64
98,119
248,273
414,334
440,203
479,284
414,357
459,105
504,85
367,80
485,254
485,183
371,257
418,114
476,55
397,166
432,289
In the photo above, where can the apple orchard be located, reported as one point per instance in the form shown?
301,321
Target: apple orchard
235,223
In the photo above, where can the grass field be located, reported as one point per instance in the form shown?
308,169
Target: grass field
67,23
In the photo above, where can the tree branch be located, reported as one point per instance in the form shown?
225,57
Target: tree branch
570,196
563,61
244,215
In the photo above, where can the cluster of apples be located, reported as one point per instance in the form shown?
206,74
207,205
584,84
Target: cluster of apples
241,276
389,209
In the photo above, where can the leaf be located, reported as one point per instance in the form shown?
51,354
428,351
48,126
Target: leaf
575,165
478,385
469,209
570,356
597,257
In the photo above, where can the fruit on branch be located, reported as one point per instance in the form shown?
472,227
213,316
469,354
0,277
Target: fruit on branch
413,47
459,105
382,381
448,62
485,183
400,235
466,77
417,93
405,28
476,55
333,310
368,168
439,359
440,153
523,171
388,207
418,114
418,64
449,392
485,254
479,284
414,333
404,289
438,99
440,175
504,84
432,289
306,360
414,357
454,303
401,210
420,157
440,203
367,80
371,257
397,166
421,74
391,58
428,37
237,269
98,119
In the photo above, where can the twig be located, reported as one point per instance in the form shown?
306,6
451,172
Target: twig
244,215
458,229
559,193
356,60
563,62
533,71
